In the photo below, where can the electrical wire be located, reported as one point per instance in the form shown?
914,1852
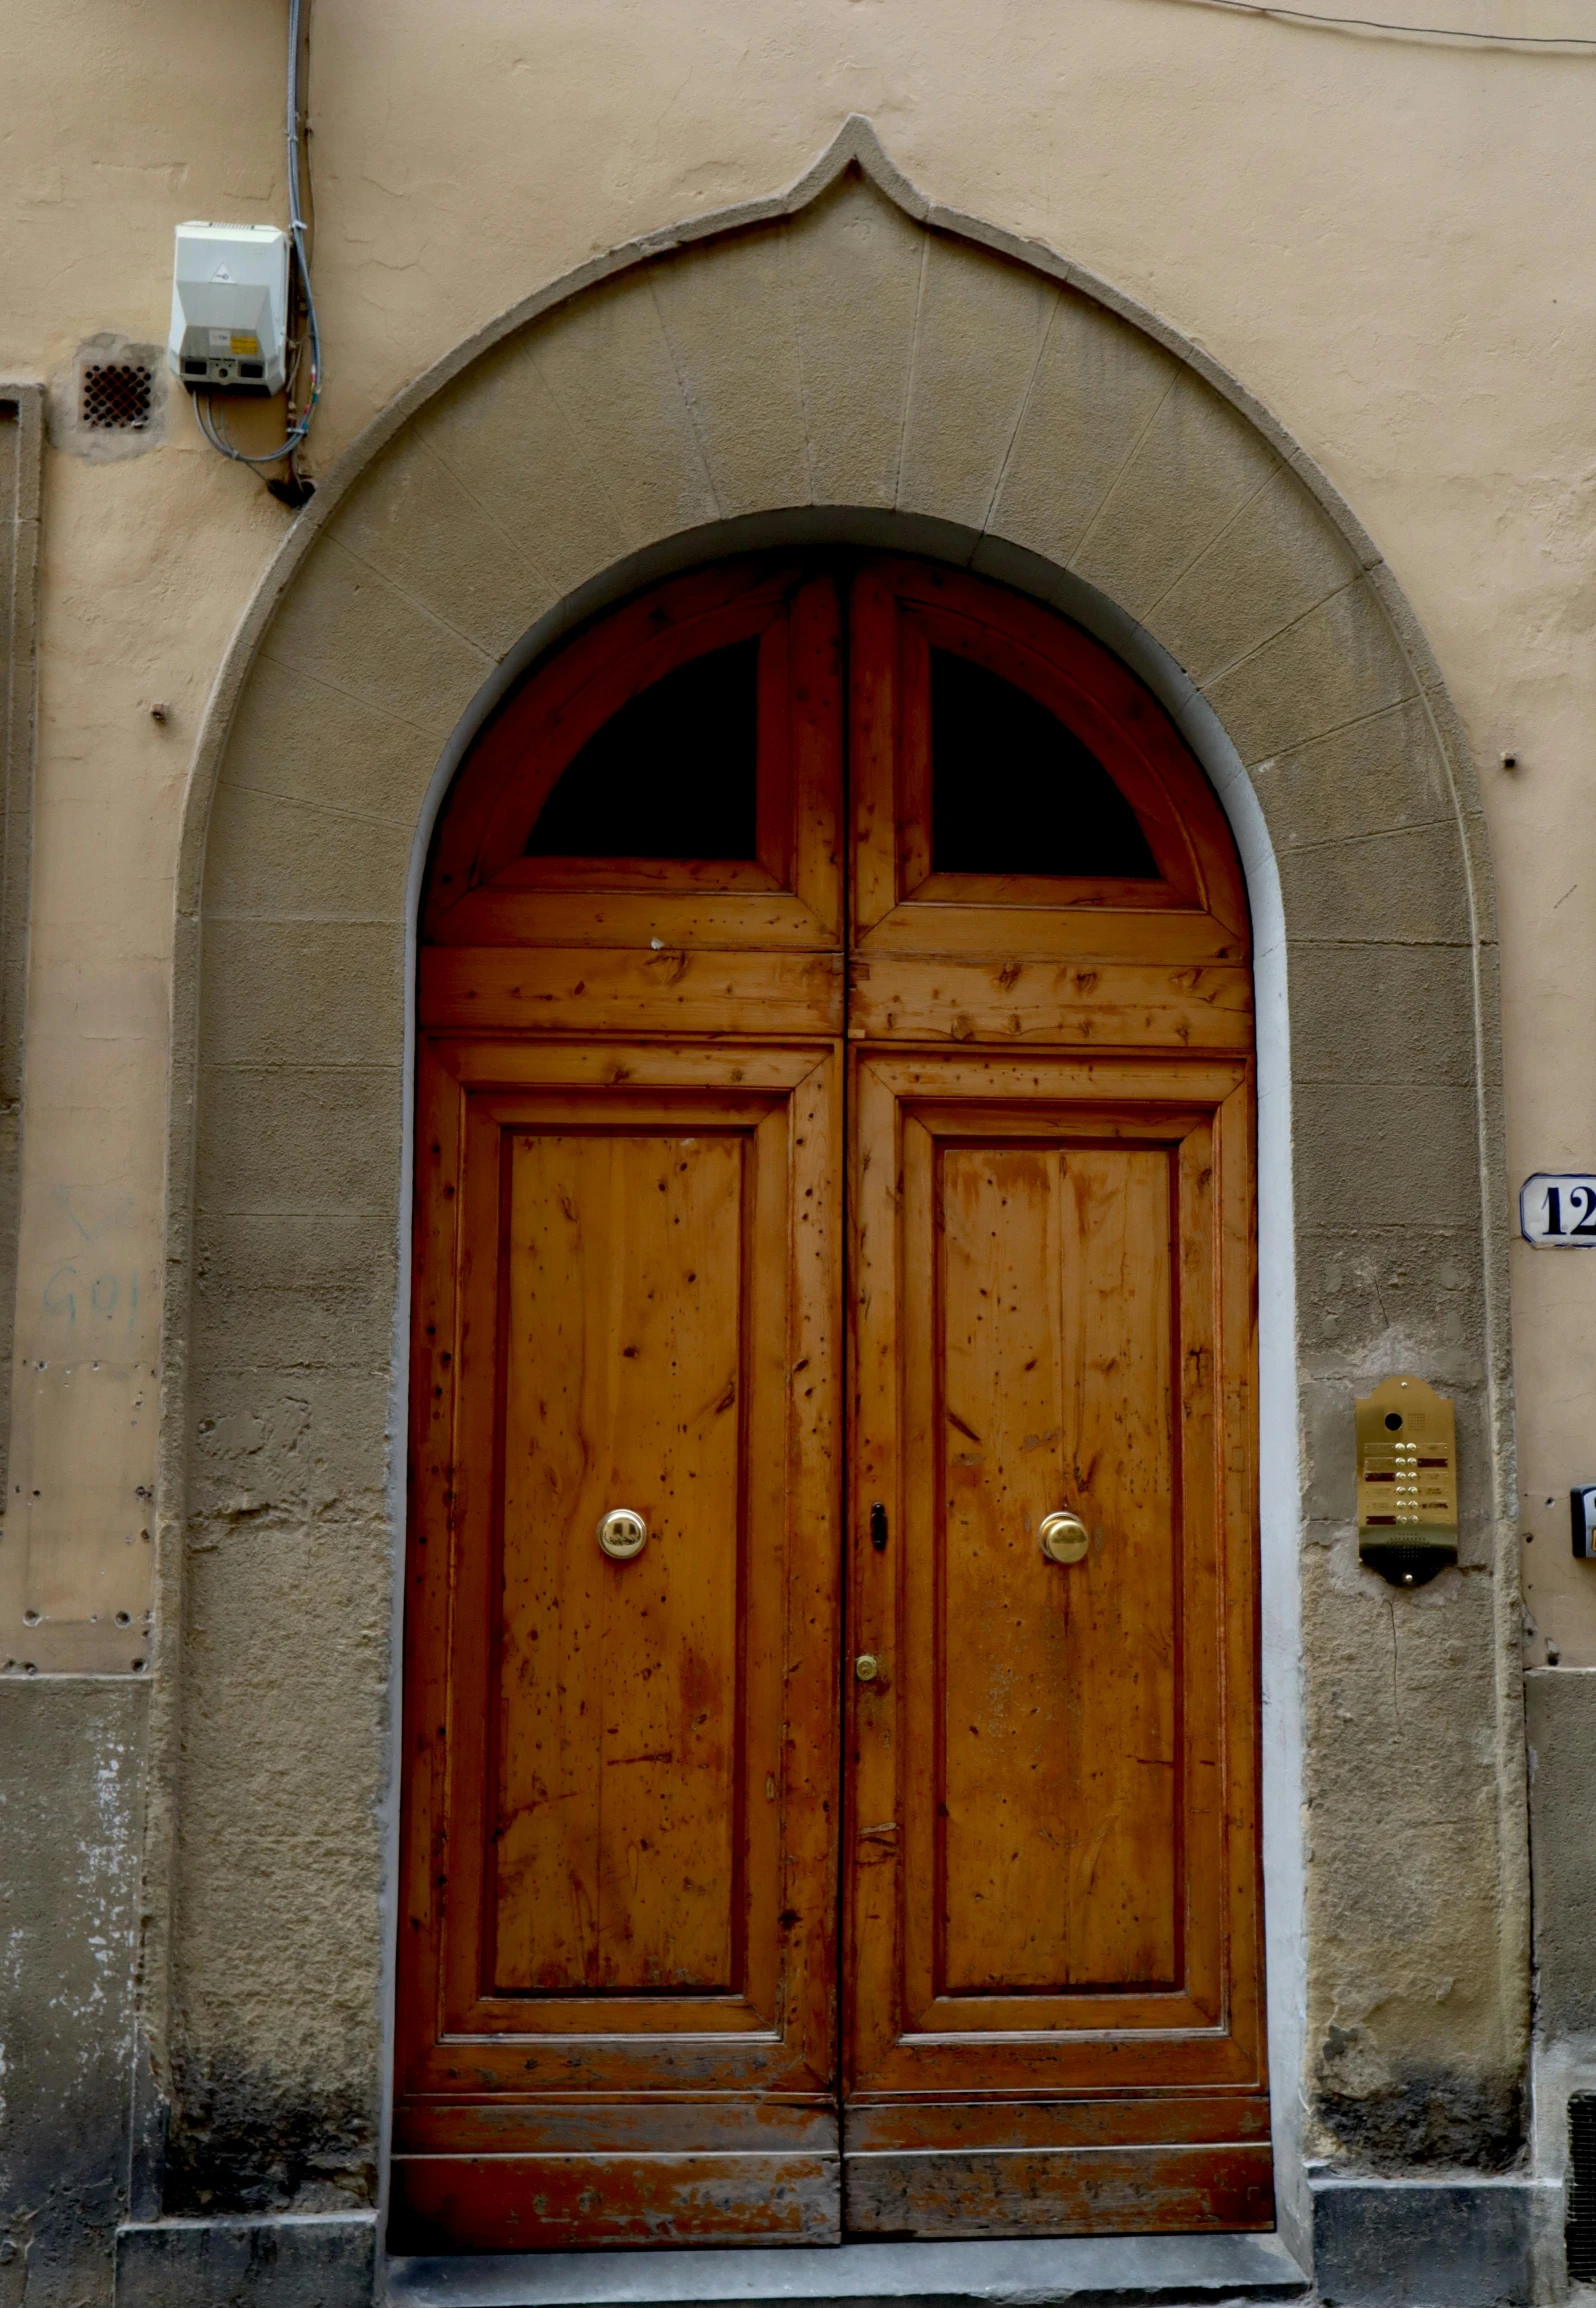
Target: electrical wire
206,415
1417,31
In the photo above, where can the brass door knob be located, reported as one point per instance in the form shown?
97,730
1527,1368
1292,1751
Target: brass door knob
622,1534
1063,1538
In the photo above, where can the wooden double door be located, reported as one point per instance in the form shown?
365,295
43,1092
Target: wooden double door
831,1693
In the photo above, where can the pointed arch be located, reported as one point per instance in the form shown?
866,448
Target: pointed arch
846,362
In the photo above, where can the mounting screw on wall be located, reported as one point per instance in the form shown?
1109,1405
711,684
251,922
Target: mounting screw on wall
1510,761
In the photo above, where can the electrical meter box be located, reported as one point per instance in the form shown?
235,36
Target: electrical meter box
230,308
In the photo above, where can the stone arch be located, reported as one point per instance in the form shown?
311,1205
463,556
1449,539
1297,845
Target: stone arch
846,362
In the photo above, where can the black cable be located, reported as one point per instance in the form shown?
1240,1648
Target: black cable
212,425
1417,31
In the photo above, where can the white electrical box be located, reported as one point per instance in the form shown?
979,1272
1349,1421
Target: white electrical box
230,308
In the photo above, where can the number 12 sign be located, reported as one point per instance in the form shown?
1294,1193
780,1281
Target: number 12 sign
1557,1211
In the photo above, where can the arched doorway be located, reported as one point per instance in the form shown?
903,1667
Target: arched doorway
831,1752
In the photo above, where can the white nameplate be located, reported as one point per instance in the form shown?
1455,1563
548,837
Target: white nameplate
1557,1210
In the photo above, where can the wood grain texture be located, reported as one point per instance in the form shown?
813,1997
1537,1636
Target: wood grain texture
547,990
899,612
615,1879
482,889
1051,1388
550,2203
616,1860
624,2014
1059,2192
1053,1872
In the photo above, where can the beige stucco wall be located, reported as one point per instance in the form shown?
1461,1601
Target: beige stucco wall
1383,239
1386,239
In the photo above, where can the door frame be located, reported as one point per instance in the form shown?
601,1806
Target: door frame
1279,1459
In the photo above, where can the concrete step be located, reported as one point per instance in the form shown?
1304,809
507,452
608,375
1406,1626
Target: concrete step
1087,2271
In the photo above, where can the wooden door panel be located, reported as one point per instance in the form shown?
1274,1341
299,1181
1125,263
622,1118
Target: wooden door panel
1060,2191
620,1827
624,2016
899,612
616,1860
513,990
1095,1000
1051,1352
484,889
1051,1831
1104,2120
520,2203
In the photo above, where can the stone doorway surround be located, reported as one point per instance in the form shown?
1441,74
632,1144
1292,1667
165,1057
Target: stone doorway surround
846,362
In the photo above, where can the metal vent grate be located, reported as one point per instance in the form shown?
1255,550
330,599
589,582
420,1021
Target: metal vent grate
1579,2230
116,395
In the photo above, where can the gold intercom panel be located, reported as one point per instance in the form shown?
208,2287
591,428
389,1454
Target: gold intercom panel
1407,1481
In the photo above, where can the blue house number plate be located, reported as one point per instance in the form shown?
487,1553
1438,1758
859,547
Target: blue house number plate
1557,1210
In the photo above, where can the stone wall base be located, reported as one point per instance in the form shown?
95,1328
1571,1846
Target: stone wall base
306,2261
1457,2243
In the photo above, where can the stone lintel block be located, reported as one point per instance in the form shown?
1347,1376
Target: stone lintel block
348,1000
1394,1154
606,360
502,434
1560,1711
290,1448
1337,665
728,313
1403,885
1187,478
1389,1013
1277,559
856,266
311,743
410,519
1374,1300
327,2261
289,1250
292,861
1384,771
250,1322
343,624
281,1843
1446,2243
1097,388
300,1138
981,327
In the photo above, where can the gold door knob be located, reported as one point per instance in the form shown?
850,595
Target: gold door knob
622,1534
1063,1538
867,1667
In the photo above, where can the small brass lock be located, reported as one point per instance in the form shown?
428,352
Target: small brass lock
1063,1538
867,1667
622,1534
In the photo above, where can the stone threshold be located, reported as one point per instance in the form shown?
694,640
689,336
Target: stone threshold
1125,2271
